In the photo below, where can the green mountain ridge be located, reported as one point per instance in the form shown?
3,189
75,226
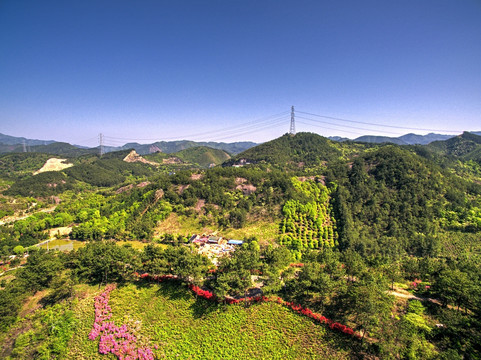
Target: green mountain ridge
299,150
15,144
464,146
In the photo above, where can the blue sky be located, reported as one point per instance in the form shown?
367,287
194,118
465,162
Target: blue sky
218,70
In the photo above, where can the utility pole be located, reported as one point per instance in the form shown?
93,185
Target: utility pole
292,130
101,144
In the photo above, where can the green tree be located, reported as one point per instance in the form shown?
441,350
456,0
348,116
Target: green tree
369,304
41,268
236,271
19,250
154,260
102,262
453,286
353,263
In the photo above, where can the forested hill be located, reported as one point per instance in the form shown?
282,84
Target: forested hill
387,198
203,156
392,200
299,150
57,148
106,171
13,140
466,146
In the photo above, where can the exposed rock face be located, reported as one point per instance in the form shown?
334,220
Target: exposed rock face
53,164
154,149
134,157
131,186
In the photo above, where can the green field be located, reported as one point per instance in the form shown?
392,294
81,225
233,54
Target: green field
184,327
60,243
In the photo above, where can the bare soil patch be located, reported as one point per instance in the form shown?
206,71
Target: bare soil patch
53,164
200,204
196,176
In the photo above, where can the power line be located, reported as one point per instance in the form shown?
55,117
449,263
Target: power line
380,125
347,126
228,130
246,129
96,138
264,127
328,128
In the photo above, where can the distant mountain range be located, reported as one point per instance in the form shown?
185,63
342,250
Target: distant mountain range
169,147
408,139
16,144
13,140
20,144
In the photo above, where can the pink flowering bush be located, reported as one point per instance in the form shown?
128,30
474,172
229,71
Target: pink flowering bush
415,283
114,339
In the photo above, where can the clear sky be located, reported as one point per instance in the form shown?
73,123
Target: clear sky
218,70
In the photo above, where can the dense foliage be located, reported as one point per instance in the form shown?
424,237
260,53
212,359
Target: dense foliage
304,149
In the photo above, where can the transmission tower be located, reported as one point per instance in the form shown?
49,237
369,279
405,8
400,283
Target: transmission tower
24,146
101,144
292,130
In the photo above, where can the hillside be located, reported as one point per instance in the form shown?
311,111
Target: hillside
62,149
53,164
181,324
393,193
199,156
299,150
203,156
20,164
13,140
463,146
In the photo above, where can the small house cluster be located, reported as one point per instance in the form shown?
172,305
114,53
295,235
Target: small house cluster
214,246
241,163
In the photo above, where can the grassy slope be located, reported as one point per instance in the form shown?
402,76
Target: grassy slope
186,328
182,225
